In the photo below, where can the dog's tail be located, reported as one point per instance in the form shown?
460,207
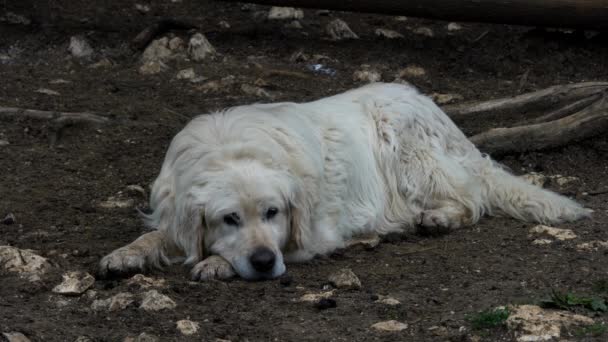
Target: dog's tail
515,197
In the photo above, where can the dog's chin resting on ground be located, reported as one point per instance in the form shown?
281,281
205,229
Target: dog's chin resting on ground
247,190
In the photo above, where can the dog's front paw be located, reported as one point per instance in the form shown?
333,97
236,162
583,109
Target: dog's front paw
213,268
433,222
122,261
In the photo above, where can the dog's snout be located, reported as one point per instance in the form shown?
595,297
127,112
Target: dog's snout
262,259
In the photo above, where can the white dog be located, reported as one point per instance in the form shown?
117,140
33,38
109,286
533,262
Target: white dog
245,190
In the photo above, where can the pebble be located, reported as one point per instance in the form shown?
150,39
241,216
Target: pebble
534,178
345,279
285,13
187,327
142,8
390,326
199,47
24,262
186,74
442,99
152,68
79,47
533,323
144,282
4,142
74,283
389,34
155,301
157,50
338,29
424,31
47,91
315,297
454,27
366,74
15,337
117,203
387,300
117,302
557,233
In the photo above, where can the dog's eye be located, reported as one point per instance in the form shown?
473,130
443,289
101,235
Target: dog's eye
232,219
271,212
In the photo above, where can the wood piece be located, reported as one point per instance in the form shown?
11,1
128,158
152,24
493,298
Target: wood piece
589,14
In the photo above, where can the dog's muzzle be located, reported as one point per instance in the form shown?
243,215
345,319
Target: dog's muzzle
262,259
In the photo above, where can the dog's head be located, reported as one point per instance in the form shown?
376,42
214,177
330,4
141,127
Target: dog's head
247,210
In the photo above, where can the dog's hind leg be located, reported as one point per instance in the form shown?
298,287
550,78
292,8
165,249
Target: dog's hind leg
151,250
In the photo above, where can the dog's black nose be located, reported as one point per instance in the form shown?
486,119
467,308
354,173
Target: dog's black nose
262,259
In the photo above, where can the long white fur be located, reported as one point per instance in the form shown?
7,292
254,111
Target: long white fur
380,158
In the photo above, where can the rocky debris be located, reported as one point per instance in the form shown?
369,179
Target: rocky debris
367,242
117,302
454,27
142,8
294,24
564,181
176,44
439,331
74,283
532,323
389,326
411,71
224,24
155,301
152,68
59,81
535,178
386,33
285,13
145,282
186,74
83,338
79,47
116,202
592,245
366,74
215,86
315,297
387,300
102,63
540,242
199,47
442,99
338,29
157,50
135,189
47,91
326,303
15,337
15,19
345,279
400,18
557,233
8,219
24,262
187,327
90,294
255,91
424,31
143,337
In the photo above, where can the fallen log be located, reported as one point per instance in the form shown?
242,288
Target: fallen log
586,14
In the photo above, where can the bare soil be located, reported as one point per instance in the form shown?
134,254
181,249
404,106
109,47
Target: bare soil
54,190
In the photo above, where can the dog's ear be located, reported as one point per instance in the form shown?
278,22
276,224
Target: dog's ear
300,209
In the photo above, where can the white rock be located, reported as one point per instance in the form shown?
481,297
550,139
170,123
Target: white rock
24,262
337,29
442,99
541,242
534,178
80,47
390,326
385,33
199,47
557,233
224,24
114,203
15,337
47,91
345,279
176,44
256,91
285,13
155,301
152,67
74,283
400,18
157,50
387,300
187,327
315,297
424,31
143,8
411,71
592,245
186,74
563,181
367,75
145,282
532,323
115,303
454,27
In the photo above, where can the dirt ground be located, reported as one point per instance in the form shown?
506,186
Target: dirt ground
54,191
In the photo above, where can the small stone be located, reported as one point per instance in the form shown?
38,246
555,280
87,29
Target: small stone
557,233
443,99
532,323
145,282
186,74
540,242
199,47
157,51
368,242
386,300
83,339
74,283
345,279
116,203
91,294
4,142
14,18
152,68
411,71
135,189
326,303
224,24
102,63
338,29
390,326
143,337
534,178
295,24
24,262
79,47
15,337
315,297
592,245
59,81
454,27
117,302
424,31
187,327
143,8
47,91
564,181
155,301
400,18
217,85
389,34
9,219
256,91
367,75
285,13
